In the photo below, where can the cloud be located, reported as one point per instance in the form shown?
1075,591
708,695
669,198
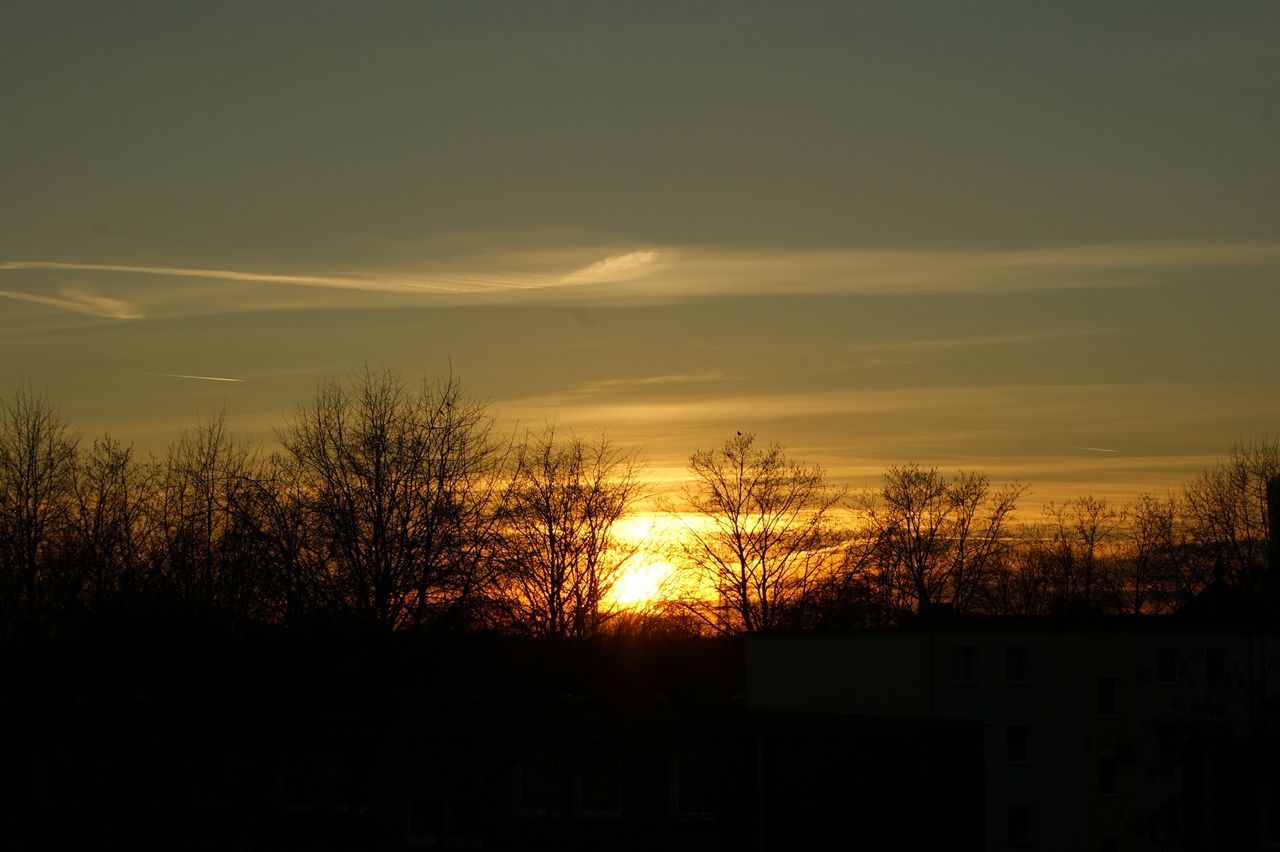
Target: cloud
618,267
425,284
982,340
597,386
578,274
83,301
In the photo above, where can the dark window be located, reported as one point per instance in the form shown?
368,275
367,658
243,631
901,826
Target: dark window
1019,823
965,660
600,788
1109,844
1166,665
1017,743
1017,664
694,789
538,785
1108,769
1108,696
1215,664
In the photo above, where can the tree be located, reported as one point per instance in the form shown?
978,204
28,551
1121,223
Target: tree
111,524
558,554
1152,574
398,486
1023,581
204,559
1227,512
271,509
761,538
1081,534
37,488
935,539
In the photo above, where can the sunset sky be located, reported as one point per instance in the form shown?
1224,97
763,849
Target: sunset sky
1041,240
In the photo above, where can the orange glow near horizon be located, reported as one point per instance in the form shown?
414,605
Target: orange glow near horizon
649,575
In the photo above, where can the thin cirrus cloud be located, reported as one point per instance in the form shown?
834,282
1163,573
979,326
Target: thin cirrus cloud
671,274
83,301
434,284
1008,338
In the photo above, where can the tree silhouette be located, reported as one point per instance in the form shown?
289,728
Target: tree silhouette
397,485
37,495
1081,536
204,556
763,538
1227,512
112,524
1152,574
559,558
934,539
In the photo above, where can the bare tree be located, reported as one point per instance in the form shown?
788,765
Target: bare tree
762,538
112,524
558,553
397,484
1152,573
936,539
1023,581
37,488
271,508
1227,512
1081,536
203,556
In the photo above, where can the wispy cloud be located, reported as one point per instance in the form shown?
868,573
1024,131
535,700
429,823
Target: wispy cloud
425,284
1012,337
82,301
597,386
620,274
618,267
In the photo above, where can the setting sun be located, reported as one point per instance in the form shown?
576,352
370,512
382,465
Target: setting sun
642,583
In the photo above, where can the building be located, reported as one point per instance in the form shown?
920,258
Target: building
1110,734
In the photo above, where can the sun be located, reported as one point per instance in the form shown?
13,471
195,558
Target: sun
647,577
642,583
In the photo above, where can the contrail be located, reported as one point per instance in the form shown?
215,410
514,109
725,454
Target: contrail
182,376
434,284
1095,449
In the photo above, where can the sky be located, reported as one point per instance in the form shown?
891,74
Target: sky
1038,240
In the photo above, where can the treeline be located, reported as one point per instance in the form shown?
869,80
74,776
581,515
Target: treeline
391,506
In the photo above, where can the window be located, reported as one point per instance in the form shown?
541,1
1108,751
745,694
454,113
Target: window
1019,824
1017,664
1017,743
1215,665
1108,776
600,786
537,785
1108,696
693,787
965,664
1166,665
